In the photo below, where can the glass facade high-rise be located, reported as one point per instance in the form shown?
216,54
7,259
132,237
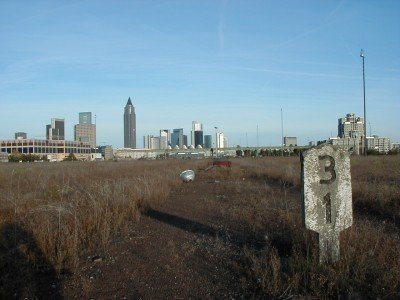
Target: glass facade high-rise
177,138
207,141
85,118
198,138
129,125
196,126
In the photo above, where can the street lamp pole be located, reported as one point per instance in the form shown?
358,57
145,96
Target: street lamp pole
362,55
257,137
216,141
282,140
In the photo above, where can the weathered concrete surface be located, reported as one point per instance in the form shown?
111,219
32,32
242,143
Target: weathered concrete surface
327,196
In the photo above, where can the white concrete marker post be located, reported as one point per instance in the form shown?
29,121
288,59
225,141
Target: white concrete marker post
326,195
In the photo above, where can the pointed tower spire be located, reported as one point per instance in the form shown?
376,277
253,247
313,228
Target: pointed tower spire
129,125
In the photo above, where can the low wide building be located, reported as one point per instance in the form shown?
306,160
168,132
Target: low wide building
55,150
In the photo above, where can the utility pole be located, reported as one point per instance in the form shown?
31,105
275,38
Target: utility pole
216,141
282,130
362,55
257,137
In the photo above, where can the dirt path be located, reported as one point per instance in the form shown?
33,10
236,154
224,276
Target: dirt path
179,249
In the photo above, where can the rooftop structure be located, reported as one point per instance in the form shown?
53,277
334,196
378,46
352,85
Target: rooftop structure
20,135
85,118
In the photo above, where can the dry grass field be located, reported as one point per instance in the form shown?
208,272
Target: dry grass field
53,215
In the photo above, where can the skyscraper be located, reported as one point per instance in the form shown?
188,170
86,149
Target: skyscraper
351,126
177,138
207,141
220,140
198,138
196,126
164,138
55,130
151,142
85,131
129,125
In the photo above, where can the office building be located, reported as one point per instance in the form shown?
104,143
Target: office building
220,140
154,142
164,138
351,126
226,144
107,152
151,142
129,125
380,144
177,138
196,126
85,131
289,141
395,146
20,136
56,150
198,138
352,144
208,141
56,130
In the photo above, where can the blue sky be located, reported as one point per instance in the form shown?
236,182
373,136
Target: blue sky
231,64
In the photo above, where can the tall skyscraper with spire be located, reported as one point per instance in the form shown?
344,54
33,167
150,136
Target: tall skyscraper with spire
129,125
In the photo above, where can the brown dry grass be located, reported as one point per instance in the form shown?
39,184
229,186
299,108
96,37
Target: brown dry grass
72,209
281,257
376,183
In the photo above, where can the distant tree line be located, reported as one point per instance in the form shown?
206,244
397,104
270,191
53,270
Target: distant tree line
267,152
20,157
294,152
376,152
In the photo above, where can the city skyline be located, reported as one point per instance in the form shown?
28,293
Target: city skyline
225,63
